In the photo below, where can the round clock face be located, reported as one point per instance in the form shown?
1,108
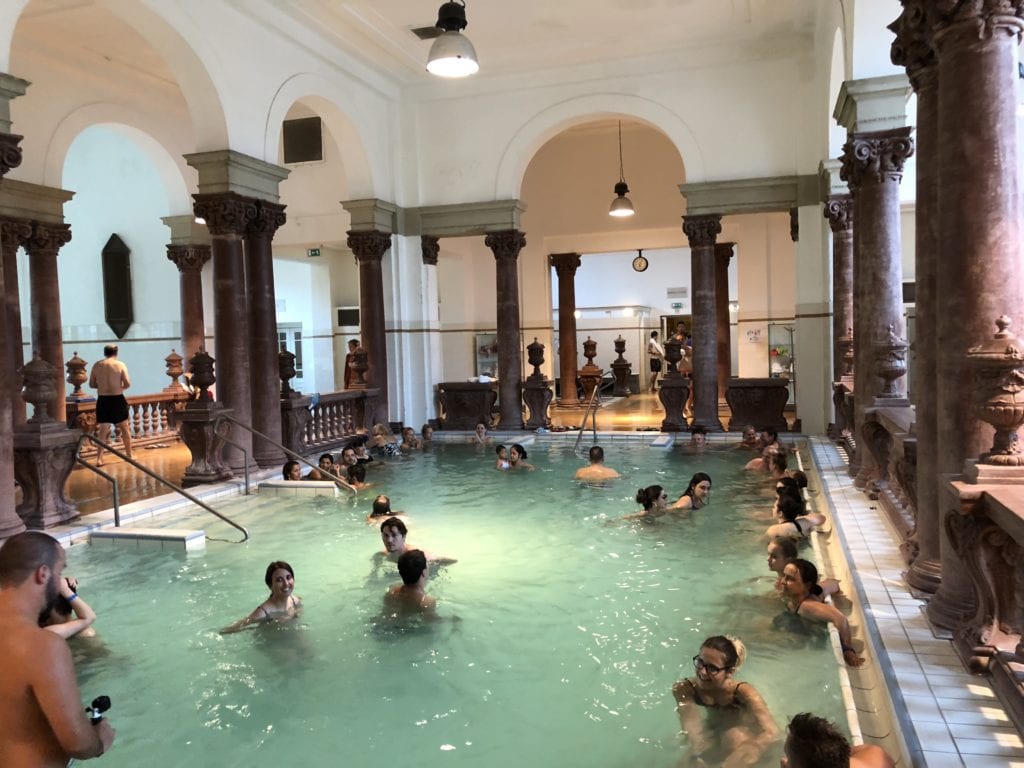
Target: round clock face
640,263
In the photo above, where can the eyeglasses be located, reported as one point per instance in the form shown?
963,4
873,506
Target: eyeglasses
711,669
663,496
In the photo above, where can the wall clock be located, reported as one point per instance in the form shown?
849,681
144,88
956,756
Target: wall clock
640,263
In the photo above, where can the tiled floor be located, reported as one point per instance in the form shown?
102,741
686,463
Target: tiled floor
950,718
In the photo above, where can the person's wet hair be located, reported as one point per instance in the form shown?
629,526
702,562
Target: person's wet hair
394,522
772,432
646,497
498,449
699,429
787,548
800,478
520,450
790,508
23,553
808,571
275,566
596,453
777,461
381,506
813,742
731,647
286,471
411,566
698,477
357,473
110,350
424,428
327,456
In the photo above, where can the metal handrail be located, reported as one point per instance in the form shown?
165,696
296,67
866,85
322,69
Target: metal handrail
155,476
288,451
591,408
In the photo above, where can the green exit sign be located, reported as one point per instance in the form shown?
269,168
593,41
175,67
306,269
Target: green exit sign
312,252
677,305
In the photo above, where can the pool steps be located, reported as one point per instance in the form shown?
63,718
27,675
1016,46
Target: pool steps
298,488
155,539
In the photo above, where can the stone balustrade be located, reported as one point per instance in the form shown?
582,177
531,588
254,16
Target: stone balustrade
889,434
335,419
151,418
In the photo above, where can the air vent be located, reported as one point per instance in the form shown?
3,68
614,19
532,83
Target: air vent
426,33
303,140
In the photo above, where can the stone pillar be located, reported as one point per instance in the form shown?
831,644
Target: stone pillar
873,166
11,236
263,343
190,260
14,233
839,212
565,265
47,340
506,247
723,255
369,248
227,215
701,232
978,275
913,50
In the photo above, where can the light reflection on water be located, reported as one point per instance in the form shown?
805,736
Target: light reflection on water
570,631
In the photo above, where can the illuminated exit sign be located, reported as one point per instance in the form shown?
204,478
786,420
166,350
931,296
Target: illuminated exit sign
312,252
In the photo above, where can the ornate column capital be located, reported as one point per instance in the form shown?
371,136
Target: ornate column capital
838,209
875,157
564,263
955,21
724,253
913,47
269,217
431,247
702,230
10,152
48,237
189,258
369,245
226,213
14,233
506,245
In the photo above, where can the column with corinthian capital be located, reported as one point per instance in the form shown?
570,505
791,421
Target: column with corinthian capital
44,299
839,212
190,260
369,247
227,216
14,233
701,232
723,255
506,246
565,265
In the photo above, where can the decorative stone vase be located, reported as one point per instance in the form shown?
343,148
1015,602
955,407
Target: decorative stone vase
76,376
174,369
998,368
589,374
39,388
201,366
535,356
673,354
846,353
621,369
360,365
890,356
286,372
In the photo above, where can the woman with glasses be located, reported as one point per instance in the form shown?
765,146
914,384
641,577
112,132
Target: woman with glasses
738,728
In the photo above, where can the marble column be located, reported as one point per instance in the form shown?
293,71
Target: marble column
565,265
14,233
263,343
369,247
190,260
839,212
912,49
506,246
723,255
978,275
701,232
44,298
227,216
10,522
872,164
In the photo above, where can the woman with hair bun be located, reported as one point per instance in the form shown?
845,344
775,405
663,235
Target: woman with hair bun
738,729
654,501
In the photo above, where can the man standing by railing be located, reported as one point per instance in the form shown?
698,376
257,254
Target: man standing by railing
109,378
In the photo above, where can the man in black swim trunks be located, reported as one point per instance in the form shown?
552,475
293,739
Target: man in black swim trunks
109,378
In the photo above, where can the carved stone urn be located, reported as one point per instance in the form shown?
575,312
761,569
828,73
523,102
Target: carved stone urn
201,366
589,374
537,393
174,369
360,365
535,356
621,369
673,354
998,366
675,389
40,387
76,376
286,372
890,354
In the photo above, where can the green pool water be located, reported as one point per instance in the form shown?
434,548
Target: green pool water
570,630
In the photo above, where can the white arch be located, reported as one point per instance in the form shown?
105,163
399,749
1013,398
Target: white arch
837,74
138,128
543,126
322,95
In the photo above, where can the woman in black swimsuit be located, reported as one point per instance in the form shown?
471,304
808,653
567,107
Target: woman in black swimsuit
282,605
799,578
738,728
697,493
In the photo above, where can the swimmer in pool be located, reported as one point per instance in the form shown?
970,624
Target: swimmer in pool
502,461
281,606
654,501
292,470
813,742
799,578
57,618
393,532
596,472
782,552
697,494
517,458
410,598
737,728
381,510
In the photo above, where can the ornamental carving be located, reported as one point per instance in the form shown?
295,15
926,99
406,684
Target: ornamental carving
565,264
839,212
913,47
48,237
724,253
10,152
431,247
980,18
877,157
189,258
506,245
369,245
998,395
14,233
702,230
225,213
268,219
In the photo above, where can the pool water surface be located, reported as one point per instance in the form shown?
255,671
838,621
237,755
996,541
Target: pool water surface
564,628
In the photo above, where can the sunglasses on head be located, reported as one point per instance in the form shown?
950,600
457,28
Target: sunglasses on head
711,669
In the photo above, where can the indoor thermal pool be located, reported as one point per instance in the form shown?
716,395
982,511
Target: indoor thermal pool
564,626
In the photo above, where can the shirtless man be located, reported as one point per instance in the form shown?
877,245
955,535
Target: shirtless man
393,532
40,704
109,378
410,598
813,742
597,470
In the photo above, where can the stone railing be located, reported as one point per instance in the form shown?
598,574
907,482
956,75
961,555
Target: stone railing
151,418
888,434
330,423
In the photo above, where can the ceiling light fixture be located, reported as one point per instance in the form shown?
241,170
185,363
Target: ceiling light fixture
452,54
621,205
